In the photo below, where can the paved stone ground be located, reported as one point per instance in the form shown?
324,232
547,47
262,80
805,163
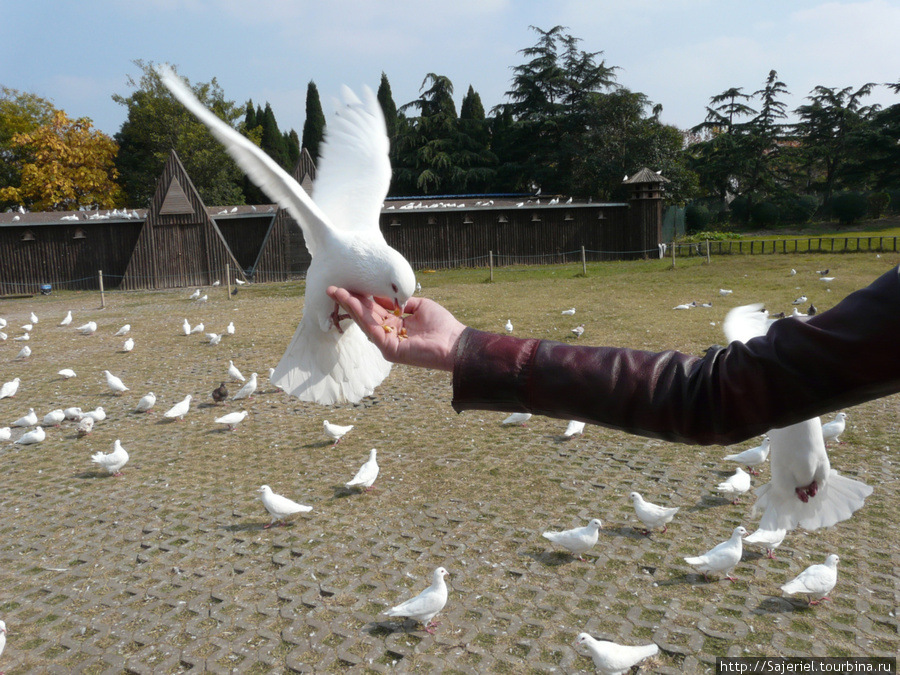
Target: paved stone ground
168,569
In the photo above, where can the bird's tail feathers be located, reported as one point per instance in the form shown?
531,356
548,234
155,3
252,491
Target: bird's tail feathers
836,501
328,367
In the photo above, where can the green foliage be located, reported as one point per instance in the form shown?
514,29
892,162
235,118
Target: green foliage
797,209
697,237
314,125
878,203
157,124
764,214
849,206
388,107
696,218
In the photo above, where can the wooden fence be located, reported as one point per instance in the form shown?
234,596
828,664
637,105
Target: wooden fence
798,245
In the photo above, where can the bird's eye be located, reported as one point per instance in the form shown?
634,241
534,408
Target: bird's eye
394,286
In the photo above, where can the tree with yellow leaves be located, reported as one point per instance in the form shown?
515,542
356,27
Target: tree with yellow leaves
65,165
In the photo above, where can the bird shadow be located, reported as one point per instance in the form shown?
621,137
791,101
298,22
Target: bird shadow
710,502
628,533
244,527
208,405
318,444
385,628
550,558
777,605
88,475
342,492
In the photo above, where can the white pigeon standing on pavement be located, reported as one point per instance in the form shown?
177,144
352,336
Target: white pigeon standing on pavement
123,331
34,436
831,431
73,414
577,540
752,457
199,328
335,431
67,373
129,345
816,581
53,418
214,338
509,326
114,461
186,327
234,373
229,329
24,353
426,605
88,329
614,659
247,390
195,295
98,414
85,426
33,318
146,403
67,319
232,419
735,485
568,312
578,331
517,418
652,515
9,389
114,383
803,489
28,420
771,539
366,475
281,508
573,428
721,558
327,362
180,409
5,433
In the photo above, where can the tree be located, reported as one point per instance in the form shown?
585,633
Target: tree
157,124
389,108
20,113
314,124
69,165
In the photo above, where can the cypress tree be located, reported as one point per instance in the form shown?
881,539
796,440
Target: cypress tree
388,107
272,140
314,125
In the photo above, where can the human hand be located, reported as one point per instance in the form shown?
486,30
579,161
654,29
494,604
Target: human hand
425,336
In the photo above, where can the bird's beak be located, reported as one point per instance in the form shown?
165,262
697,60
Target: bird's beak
398,307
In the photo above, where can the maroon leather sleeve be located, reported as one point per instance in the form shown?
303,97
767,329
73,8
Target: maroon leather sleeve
842,357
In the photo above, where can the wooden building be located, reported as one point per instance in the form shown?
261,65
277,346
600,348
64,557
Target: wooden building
180,242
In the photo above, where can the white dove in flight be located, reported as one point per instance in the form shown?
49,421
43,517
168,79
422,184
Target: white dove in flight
327,362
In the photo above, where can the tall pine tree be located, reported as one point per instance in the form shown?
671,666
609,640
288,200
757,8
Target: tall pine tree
314,126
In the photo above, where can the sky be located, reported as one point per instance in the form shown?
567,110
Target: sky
679,53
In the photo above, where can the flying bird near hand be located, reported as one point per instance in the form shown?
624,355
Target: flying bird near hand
329,362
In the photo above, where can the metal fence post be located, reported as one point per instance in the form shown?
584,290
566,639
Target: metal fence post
491,263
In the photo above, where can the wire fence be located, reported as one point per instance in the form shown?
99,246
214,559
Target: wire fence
493,259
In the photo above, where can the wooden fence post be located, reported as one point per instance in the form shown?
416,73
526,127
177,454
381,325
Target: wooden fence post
102,295
228,279
491,263
673,254
707,252
583,263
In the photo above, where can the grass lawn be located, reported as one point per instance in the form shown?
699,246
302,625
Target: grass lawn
168,569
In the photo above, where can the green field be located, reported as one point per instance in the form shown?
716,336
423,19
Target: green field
168,569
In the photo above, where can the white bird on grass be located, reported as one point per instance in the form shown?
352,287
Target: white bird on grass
34,436
803,489
2,636
73,414
326,362
771,539
114,383
88,329
816,581
9,389
85,426
146,403
123,331
281,508
98,414
577,540
752,457
199,328
426,605
652,515
247,390
519,419
568,312
614,659
234,373
22,338
831,431
214,338
194,295
366,475
67,319
735,485
232,419
229,329
508,326
578,330
335,431
186,327
725,291
180,409
67,373
114,461
721,558
129,345
573,428
203,298
33,318
53,418
24,353
5,433
800,300
28,420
